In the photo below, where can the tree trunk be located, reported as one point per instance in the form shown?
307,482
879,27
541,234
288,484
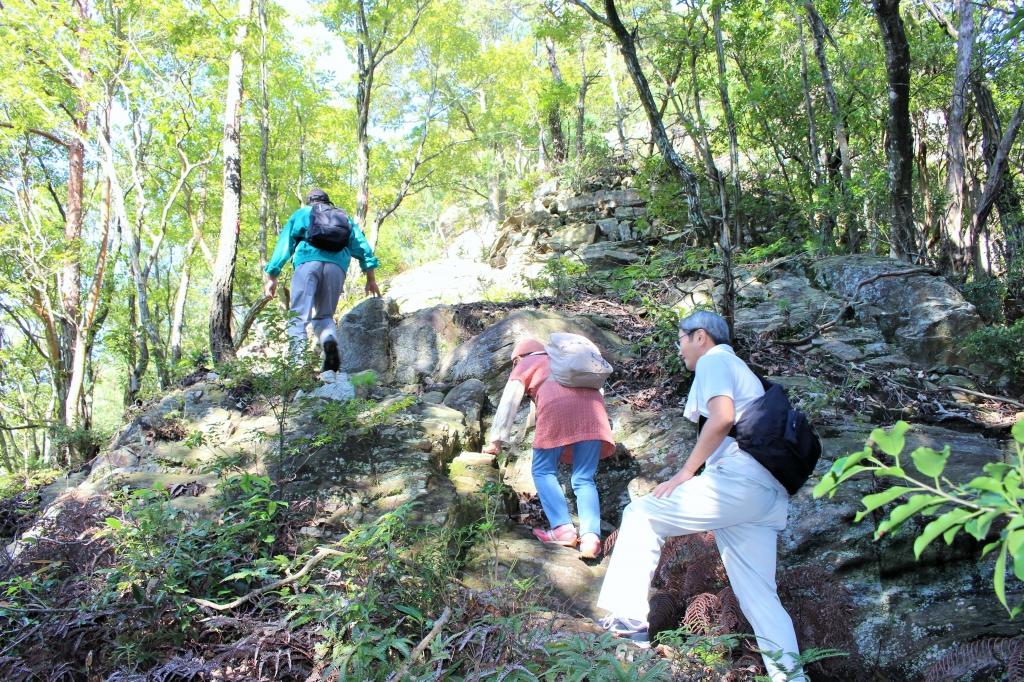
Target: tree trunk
705,145
581,103
221,347
180,299
686,178
497,193
1007,201
620,114
956,242
364,90
264,208
899,138
825,223
730,122
558,147
818,30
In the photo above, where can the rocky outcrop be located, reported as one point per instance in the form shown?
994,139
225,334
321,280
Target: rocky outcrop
419,341
921,313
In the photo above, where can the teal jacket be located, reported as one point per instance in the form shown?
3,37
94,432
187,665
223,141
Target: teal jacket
291,242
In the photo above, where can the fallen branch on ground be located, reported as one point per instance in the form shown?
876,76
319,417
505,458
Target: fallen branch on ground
422,646
320,555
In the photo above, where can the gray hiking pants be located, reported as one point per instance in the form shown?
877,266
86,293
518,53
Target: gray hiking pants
316,287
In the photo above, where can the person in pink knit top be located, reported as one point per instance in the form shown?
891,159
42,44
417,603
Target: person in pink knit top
572,427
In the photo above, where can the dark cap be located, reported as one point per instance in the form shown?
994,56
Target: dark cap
317,195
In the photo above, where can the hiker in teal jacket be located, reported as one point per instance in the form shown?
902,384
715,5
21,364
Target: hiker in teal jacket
319,277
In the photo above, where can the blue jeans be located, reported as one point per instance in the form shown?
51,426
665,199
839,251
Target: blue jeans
585,456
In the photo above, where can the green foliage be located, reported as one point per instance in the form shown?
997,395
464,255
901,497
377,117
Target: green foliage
987,296
757,254
999,346
164,557
559,278
991,500
12,484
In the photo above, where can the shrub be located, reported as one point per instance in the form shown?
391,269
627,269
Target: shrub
999,346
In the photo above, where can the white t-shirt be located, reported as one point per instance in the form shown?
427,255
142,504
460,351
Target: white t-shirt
720,372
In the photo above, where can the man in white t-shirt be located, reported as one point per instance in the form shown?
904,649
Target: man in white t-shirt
735,497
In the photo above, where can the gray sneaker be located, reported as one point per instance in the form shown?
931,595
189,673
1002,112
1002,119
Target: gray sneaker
624,627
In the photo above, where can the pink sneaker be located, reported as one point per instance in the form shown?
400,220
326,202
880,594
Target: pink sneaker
590,546
564,535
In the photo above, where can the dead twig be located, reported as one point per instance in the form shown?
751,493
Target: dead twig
320,555
997,398
421,647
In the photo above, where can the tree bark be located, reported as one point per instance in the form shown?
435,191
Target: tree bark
899,138
180,299
221,346
730,122
558,147
1007,201
819,31
825,223
620,113
956,241
682,173
264,189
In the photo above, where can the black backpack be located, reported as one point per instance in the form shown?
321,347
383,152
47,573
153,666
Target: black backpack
778,436
329,228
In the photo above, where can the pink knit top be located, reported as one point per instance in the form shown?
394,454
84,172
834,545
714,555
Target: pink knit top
564,415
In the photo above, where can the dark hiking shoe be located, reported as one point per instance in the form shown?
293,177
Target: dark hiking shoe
332,361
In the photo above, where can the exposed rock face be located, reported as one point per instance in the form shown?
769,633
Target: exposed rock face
363,336
469,398
921,313
420,340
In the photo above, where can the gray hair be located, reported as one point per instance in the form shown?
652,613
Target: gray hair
712,323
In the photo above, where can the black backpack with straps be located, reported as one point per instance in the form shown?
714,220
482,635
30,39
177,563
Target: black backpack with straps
329,227
778,436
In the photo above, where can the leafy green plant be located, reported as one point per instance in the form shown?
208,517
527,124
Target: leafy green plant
999,345
994,499
559,277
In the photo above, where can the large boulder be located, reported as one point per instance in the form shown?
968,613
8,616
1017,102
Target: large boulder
921,313
363,336
487,355
420,340
787,302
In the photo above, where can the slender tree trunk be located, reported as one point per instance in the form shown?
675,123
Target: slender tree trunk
730,121
924,181
899,139
558,146
620,114
704,145
364,90
581,103
819,30
180,299
1007,201
497,190
264,207
956,240
679,169
825,223
221,345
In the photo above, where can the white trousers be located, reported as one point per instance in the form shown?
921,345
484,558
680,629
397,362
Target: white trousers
746,515
316,288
